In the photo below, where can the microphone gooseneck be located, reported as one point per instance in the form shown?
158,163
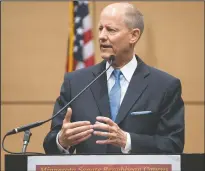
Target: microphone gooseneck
36,124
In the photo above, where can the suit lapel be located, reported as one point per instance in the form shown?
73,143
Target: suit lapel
136,87
100,90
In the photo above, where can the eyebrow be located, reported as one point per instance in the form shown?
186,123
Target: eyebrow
106,25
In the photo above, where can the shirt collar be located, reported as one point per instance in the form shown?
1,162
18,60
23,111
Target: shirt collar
127,70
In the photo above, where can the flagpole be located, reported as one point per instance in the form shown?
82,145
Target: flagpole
71,37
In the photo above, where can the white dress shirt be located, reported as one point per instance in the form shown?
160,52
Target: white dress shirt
127,73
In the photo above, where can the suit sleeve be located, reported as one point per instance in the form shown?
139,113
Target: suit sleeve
169,136
49,144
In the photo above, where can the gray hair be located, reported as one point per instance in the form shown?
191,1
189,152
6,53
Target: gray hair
134,18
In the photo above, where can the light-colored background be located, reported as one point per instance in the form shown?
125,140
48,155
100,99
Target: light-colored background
34,47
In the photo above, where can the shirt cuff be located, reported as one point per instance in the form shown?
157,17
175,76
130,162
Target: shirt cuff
60,148
127,148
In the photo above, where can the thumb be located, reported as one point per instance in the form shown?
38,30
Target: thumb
68,115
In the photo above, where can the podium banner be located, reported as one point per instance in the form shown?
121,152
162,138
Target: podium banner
105,163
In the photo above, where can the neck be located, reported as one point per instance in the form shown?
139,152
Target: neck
121,62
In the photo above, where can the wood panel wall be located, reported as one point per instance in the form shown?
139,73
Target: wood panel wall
34,46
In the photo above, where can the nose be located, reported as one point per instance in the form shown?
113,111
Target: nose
103,35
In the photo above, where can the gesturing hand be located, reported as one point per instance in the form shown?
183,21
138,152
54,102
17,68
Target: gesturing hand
115,135
74,133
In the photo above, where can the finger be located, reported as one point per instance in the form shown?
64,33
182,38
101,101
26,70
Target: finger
105,127
104,134
106,120
69,125
81,134
102,126
106,141
78,124
100,123
68,116
81,139
80,129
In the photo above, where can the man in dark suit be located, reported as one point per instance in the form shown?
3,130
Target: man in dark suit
133,108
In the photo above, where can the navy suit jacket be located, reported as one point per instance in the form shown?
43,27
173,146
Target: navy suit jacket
160,131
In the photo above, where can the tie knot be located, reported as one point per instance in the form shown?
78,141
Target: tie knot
117,74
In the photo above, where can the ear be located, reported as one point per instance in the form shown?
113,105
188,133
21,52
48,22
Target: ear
135,35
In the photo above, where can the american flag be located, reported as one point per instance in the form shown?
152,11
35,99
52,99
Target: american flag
81,49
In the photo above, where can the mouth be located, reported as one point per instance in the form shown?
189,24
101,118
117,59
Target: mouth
105,46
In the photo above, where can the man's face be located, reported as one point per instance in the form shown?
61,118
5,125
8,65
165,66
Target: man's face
114,35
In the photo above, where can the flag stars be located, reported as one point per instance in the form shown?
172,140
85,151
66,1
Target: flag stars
75,8
77,20
80,31
80,2
75,49
81,42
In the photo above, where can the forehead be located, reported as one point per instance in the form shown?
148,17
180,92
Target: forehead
112,18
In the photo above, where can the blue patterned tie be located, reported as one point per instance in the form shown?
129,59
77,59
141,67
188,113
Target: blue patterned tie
115,95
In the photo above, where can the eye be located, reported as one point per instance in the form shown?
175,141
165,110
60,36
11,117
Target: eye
100,28
111,30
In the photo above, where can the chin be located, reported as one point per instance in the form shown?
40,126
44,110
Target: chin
105,56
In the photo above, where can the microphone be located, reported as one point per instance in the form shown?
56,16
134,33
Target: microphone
36,124
26,139
112,59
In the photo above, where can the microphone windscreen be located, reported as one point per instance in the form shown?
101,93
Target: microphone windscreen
111,58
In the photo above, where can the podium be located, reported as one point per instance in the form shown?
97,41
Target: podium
183,162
